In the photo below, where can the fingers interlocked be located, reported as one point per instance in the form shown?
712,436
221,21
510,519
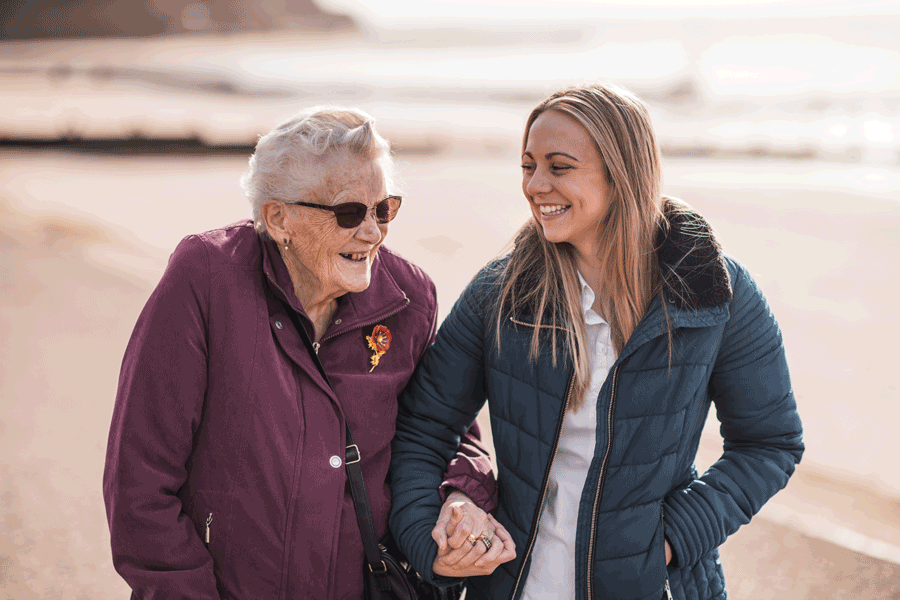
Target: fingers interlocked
460,522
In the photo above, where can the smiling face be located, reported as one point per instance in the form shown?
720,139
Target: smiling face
325,260
564,180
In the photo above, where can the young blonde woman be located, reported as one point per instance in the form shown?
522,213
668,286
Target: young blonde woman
600,342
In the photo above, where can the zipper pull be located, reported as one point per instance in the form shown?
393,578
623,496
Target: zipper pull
668,589
208,521
316,346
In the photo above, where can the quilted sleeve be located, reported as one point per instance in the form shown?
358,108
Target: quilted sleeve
470,471
436,410
761,428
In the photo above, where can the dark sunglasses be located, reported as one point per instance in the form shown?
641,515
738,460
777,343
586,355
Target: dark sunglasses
351,214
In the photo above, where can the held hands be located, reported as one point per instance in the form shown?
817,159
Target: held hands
470,541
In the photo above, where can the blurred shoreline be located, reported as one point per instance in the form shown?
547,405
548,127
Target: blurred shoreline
814,89
413,143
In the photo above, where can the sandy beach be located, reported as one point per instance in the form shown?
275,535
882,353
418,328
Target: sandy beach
84,237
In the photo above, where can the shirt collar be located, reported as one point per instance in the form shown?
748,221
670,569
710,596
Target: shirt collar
587,301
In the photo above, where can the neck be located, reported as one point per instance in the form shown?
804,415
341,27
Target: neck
318,303
320,314
589,266
315,301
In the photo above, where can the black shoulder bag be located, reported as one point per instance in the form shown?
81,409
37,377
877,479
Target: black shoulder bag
387,573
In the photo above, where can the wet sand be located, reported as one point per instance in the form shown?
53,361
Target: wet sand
83,239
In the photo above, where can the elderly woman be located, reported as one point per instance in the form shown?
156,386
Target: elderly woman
225,467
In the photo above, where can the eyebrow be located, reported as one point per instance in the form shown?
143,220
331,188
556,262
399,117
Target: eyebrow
550,155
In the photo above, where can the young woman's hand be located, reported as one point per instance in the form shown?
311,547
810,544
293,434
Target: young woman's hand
470,541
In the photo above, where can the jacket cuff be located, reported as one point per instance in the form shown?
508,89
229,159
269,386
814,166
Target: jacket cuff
439,580
483,494
688,538
474,478
470,471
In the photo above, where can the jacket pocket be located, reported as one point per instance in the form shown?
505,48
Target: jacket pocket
668,567
208,512
659,571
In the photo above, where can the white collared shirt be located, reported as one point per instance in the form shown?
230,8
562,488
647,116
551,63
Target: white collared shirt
552,573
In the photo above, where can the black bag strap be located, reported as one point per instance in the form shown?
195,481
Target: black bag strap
351,464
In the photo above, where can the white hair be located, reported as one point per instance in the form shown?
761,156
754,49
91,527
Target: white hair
291,160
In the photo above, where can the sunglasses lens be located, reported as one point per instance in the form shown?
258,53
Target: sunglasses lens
386,210
350,214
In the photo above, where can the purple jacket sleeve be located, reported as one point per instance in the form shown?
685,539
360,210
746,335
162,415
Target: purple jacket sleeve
470,471
155,546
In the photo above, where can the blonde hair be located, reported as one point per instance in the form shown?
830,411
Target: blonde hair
291,160
541,276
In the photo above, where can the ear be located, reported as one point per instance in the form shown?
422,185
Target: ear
274,215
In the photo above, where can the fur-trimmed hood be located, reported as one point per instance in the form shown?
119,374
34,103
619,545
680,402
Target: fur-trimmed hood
690,259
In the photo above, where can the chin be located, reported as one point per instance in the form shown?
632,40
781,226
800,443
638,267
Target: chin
553,236
357,284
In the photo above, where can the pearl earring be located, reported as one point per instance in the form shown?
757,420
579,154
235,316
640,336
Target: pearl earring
286,242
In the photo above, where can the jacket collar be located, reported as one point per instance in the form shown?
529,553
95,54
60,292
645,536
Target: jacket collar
696,283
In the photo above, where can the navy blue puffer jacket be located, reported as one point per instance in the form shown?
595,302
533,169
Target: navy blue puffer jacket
642,486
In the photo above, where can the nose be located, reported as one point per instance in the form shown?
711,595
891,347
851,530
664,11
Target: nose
369,230
536,183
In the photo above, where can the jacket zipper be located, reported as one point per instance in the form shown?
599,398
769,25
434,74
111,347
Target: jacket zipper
537,515
208,523
603,469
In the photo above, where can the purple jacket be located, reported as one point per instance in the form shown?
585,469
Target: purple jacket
221,417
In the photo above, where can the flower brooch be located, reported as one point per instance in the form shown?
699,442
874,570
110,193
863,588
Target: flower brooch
379,343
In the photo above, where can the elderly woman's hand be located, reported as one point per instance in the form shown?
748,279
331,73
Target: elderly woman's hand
470,541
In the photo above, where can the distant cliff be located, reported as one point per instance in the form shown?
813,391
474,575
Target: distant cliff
30,19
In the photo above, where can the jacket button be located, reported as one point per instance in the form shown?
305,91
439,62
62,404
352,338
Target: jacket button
279,325
337,321
335,461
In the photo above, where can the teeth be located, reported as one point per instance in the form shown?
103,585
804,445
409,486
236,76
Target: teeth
552,209
356,256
